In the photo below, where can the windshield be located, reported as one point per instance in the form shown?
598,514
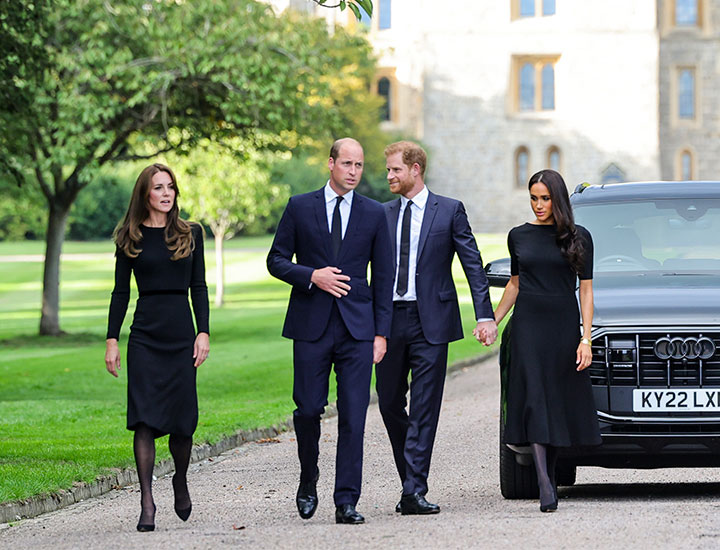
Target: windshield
669,236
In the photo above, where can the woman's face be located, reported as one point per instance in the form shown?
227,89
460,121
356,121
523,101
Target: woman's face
162,193
541,203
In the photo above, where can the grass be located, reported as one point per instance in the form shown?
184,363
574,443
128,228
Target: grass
62,415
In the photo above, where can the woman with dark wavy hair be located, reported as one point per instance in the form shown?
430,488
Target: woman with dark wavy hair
549,394
166,254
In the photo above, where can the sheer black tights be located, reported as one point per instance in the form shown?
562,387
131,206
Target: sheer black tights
144,448
180,448
545,458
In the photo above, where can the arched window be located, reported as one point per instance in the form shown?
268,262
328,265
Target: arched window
383,90
686,166
548,87
686,13
522,166
384,11
553,158
686,93
527,87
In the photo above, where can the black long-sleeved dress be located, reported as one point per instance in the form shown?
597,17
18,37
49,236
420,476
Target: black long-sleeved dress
548,400
161,374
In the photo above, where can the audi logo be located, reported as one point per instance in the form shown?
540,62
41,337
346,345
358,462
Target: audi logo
684,348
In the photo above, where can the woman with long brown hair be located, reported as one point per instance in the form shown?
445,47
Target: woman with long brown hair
549,394
166,254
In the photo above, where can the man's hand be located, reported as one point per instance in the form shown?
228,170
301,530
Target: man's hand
330,279
486,332
379,349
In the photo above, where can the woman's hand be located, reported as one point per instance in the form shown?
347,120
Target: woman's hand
584,356
201,348
112,356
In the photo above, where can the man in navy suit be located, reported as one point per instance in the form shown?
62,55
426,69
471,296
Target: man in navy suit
426,232
334,317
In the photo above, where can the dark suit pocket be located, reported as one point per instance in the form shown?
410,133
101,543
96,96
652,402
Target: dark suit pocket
363,291
447,295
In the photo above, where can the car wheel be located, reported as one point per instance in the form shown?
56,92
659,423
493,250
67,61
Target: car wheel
517,481
566,475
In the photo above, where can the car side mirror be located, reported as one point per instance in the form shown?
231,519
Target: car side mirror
498,272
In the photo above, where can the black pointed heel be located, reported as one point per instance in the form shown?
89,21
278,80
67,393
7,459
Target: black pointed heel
183,513
147,527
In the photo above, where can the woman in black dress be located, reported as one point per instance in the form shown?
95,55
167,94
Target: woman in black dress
549,395
166,254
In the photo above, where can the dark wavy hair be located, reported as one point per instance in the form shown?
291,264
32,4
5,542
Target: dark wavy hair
567,238
178,235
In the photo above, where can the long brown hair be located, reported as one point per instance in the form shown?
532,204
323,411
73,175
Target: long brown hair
178,234
567,238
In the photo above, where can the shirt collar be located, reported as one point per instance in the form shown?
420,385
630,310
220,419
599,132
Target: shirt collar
419,200
330,194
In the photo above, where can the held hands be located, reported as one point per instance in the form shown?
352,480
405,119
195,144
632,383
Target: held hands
379,349
112,356
486,332
584,356
331,280
201,348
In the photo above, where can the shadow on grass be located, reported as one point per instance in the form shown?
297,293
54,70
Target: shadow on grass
66,340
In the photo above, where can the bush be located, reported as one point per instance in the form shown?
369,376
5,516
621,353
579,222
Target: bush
99,208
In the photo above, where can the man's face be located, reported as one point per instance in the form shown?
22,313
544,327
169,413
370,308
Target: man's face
400,176
346,171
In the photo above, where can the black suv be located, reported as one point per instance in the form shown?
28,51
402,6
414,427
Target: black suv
656,330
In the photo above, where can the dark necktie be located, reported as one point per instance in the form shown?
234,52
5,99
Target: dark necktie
402,284
336,231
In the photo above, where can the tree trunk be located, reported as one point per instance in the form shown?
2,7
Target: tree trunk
219,267
50,318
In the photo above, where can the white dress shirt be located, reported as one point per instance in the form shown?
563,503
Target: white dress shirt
417,213
345,206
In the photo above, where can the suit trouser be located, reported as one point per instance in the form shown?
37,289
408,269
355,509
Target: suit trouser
313,362
411,435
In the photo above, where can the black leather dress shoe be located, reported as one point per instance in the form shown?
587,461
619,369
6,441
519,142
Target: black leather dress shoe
398,507
307,499
416,504
346,513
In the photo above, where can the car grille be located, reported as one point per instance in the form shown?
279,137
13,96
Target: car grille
629,359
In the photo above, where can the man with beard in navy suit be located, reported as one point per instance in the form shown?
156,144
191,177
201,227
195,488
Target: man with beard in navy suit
334,317
426,231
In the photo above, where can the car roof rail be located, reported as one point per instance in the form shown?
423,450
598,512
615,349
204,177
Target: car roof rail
581,187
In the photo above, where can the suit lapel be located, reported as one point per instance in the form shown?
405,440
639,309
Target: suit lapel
393,214
321,218
352,226
430,211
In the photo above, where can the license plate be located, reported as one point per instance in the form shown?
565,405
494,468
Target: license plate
707,400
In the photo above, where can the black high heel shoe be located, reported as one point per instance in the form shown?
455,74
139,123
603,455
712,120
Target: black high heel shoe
551,504
147,527
182,513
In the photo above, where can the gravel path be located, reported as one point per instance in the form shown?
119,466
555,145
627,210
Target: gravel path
245,498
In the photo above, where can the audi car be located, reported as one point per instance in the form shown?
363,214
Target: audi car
656,330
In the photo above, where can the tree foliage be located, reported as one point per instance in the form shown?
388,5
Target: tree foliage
130,79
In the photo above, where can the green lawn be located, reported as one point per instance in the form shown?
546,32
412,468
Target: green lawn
62,415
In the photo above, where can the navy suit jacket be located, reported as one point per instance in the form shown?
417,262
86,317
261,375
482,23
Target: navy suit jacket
445,231
303,232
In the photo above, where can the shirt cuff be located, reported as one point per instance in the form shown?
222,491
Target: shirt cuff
483,319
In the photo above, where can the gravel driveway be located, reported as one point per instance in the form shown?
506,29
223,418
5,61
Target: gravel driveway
245,498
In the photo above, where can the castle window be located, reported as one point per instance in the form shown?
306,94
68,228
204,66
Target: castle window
686,13
548,7
522,167
527,87
534,83
527,8
553,158
686,171
384,14
548,87
686,93
612,174
383,90
531,8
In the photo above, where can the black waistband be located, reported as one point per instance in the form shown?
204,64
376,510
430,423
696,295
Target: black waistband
405,303
161,291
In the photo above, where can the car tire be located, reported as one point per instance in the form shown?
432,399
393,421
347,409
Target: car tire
517,481
566,475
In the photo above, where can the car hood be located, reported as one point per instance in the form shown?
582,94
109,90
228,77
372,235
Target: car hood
644,299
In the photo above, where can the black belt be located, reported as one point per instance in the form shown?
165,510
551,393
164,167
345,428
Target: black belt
405,303
160,292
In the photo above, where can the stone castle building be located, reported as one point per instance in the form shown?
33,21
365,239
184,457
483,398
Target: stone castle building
601,90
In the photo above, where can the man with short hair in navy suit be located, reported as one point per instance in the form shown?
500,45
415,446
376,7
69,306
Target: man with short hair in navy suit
334,317
426,232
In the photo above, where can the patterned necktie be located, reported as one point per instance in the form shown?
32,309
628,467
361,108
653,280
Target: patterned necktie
402,284
336,231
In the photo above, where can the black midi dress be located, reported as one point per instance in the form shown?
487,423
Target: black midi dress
160,366
548,400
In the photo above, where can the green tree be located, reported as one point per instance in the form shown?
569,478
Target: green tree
130,79
354,5
228,189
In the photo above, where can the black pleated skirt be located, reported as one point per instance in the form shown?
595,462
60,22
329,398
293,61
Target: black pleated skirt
162,390
548,400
